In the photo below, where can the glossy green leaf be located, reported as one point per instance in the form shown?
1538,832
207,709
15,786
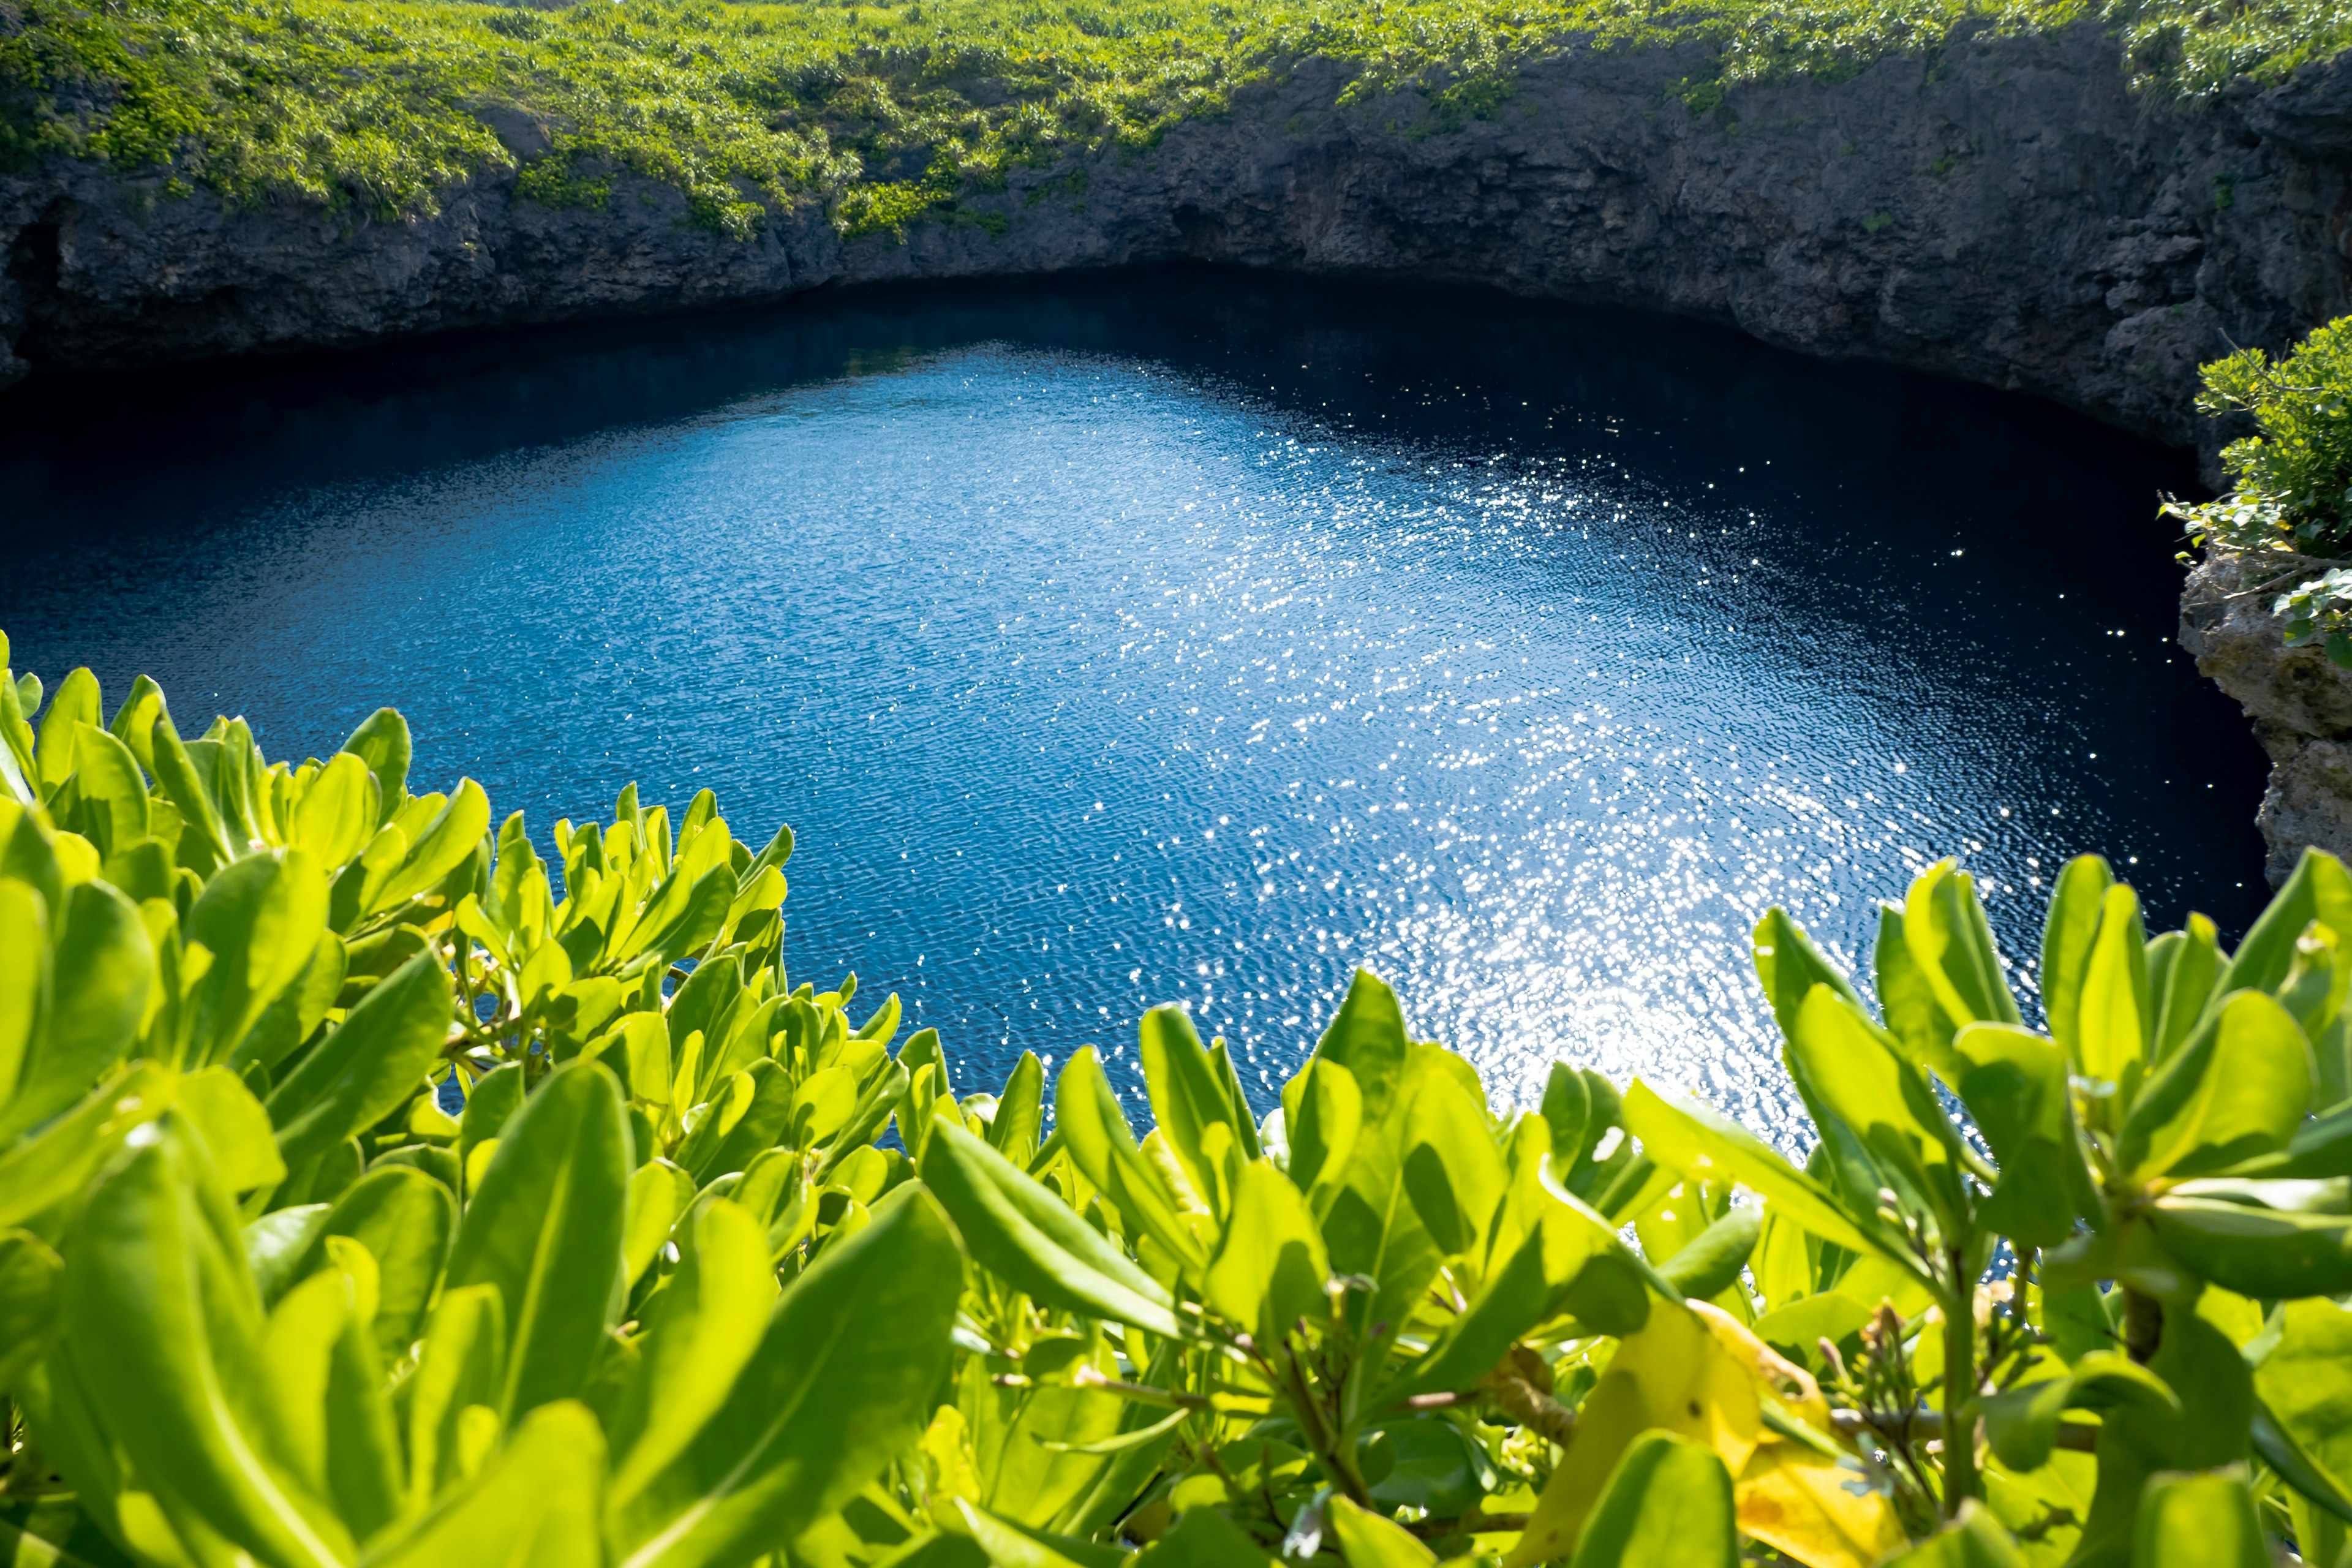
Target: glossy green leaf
865,1330
1203,1538
1016,1229
459,1376
1711,1262
2305,1384
2183,981
545,1227
113,811
1368,1038
405,1218
1850,1070
165,1332
1915,1019
535,1505
1667,1505
658,1193
1187,1097
704,1327
1270,1269
1366,1540
75,704
1020,1111
2319,889
1095,1132
1682,1135
381,743
29,1271
2068,933
1944,926
1975,1539
2238,1089
2199,1521
338,814
1790,966
101,967
236,1129
2015,1087
370,1064
54,1164
1452,1170
454,833
1325,1114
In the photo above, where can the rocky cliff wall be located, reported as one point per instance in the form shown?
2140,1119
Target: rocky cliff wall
2002,210
2299,702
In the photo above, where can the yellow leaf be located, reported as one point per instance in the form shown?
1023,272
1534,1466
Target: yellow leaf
1680,1373
1805,1505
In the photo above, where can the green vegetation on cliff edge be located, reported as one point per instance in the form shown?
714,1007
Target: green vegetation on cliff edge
880,113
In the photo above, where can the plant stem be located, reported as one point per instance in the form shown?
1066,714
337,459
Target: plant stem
1959,1388
2143,1325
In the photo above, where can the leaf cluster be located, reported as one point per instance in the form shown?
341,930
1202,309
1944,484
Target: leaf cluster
364,1200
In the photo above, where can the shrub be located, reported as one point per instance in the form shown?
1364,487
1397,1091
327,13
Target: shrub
363,1202
2292,495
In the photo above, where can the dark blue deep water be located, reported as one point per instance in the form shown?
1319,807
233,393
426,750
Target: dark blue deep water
1195,637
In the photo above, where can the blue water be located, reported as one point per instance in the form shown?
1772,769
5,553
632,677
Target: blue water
1195,637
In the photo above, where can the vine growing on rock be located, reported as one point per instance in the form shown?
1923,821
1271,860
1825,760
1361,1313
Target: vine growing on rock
374,1190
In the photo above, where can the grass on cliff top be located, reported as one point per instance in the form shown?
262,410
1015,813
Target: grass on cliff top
885,113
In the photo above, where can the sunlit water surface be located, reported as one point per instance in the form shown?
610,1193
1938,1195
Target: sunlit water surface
1196,637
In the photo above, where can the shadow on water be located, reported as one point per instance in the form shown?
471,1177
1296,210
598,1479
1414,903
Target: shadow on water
1712,625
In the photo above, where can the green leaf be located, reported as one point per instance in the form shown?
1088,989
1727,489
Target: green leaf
338,814
101,967
534,1505
455,833
2015,1087
1095,1132
261,919
1853,1073
2199,1521
236,1129
1325,1115
1790,966
75,705
2183,970
1667,1505
860,1340
1020,1111
1368,1540
459,1372
2305,1384
1368,1038
658,1193
1538,1278
381,743
1270,1269
2067,935
1019,1231
1917,1023
2023,1422
1690,1138
404,1218
1203,1538
1711,1263
1975,1539
2238,1089
29,1270
24,959
1452,1170
704,1327
1187,1097
1944,926
165,1331
374,1062
545,1227
2319,889
113,812
2114,1019
489,1105
55,1163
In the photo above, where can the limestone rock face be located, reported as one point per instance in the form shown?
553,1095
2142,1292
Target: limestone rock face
2299,701
2002,210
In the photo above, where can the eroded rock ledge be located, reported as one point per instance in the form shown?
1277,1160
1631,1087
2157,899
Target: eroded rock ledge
2000,210
2299,701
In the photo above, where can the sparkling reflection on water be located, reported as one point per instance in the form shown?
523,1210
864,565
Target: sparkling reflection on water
1197,638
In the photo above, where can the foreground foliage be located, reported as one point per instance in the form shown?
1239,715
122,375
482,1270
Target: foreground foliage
885,114
363,1202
